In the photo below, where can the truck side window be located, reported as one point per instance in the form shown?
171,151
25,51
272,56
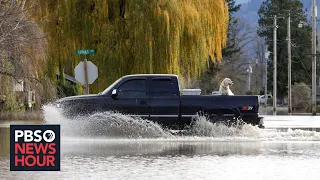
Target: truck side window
133,88
163,87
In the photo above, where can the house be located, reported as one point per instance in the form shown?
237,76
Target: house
24,94
18,85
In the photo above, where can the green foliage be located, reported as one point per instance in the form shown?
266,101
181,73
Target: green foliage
231,47
209,79
301,41
262,92
47,91
22,49
9,96
65,88
11,104
167,36
251,92
233,8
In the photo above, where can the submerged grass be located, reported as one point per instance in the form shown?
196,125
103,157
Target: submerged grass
25,116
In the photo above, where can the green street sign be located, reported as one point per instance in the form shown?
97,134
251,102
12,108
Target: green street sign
85,51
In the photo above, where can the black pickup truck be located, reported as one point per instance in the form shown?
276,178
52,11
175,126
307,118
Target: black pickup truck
157,97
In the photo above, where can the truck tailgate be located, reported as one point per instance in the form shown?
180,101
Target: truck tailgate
193,104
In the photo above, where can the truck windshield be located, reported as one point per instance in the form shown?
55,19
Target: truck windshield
110,87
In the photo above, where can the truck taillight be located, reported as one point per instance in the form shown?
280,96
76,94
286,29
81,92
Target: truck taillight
247,108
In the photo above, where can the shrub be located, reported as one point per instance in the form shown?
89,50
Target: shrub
9,101
251,92
318,108
270,101
301,97
65,88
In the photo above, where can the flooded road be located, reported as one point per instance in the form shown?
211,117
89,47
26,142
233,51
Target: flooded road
103,149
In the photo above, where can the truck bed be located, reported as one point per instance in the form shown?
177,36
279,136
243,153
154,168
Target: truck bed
245,106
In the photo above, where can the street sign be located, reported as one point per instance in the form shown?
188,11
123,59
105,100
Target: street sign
85,51
86,72
92,72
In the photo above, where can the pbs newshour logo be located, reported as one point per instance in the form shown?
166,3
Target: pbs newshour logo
35,147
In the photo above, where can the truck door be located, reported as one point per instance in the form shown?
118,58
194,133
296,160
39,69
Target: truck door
164,99
132,98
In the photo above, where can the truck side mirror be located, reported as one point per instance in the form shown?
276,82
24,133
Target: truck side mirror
114,94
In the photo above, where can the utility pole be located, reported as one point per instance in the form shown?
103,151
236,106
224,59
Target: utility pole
249,71
275,65
266,77
289,65
257,71
314,58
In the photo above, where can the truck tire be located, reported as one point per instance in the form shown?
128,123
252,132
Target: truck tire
232,120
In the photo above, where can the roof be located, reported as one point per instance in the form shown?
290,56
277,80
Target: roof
69,78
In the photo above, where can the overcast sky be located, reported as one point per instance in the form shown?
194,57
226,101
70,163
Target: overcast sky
241,1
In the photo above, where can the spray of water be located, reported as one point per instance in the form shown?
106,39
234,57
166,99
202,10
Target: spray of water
110,125
202,127
290,135
106,124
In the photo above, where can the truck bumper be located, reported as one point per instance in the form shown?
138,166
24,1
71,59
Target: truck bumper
253,119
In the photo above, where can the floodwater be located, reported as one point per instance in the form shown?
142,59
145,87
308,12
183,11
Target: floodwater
114,146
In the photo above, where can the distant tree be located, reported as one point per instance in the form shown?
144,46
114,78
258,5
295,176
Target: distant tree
22,42
258,63
231,47
22,57
301,42
239,34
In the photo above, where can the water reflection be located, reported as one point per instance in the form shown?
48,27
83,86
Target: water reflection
163,148
176,158
5,134
176,148
4,141
172,147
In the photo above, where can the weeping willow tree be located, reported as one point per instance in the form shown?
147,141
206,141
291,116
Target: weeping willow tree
129,36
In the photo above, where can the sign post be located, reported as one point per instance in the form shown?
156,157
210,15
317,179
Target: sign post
86,72
86,75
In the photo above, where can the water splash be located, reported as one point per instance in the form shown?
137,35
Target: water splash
290,135
203,127
110,125
106,124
